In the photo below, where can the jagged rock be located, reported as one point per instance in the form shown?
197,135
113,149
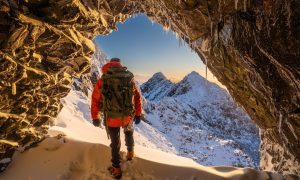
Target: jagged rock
87,81
158,85
252,47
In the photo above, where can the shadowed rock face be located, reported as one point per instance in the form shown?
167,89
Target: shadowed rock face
252,47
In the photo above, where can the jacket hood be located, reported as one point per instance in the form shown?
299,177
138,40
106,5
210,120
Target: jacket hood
111,64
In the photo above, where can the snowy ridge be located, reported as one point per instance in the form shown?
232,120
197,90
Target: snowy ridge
158,85
202,122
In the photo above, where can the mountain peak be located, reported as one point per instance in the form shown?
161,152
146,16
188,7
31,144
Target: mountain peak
194,73
159,75
156,87
193,76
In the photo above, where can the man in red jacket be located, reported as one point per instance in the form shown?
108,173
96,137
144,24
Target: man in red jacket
114,124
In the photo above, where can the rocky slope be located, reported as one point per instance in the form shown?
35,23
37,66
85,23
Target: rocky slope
87,81
252,47
211,128
156,87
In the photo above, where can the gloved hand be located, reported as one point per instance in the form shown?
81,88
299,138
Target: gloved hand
137,119
96,122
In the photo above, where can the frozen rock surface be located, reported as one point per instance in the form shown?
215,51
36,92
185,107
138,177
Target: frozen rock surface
252,47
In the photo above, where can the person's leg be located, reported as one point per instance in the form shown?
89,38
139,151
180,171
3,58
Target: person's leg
115,145
129,141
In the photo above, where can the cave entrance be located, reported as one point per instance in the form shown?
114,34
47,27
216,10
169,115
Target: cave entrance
185,113
46,43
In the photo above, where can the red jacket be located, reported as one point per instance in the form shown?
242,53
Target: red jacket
97,100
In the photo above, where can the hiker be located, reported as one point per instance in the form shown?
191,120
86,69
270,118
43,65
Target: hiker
118,98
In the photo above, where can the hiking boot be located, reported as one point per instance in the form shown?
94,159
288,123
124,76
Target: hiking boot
130,155
116,172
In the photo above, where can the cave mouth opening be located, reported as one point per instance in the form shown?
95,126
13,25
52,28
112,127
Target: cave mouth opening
145,46
234,37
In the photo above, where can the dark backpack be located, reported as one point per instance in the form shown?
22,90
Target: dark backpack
117,90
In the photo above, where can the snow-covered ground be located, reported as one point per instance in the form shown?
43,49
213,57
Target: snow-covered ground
76,113
75,149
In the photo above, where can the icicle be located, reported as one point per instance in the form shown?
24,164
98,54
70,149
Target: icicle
166,28
206,82
179,40
211,35
192,45
245,5
236,4
166,25
13,89
176,35
205,68
152,22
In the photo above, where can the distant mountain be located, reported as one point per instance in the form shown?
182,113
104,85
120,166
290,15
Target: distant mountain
156,87
201,121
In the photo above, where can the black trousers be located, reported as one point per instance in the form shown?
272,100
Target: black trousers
114,133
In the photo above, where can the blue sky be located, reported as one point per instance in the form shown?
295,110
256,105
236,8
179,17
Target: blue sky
145,48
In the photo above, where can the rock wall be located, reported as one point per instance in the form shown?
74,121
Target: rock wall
43,45
251,46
